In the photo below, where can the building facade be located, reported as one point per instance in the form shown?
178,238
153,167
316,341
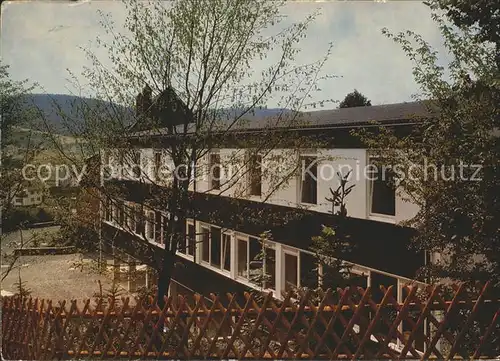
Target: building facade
242,193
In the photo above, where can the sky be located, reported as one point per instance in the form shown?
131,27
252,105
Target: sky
40,40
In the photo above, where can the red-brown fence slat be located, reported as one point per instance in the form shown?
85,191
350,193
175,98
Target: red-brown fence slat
468,322
37,329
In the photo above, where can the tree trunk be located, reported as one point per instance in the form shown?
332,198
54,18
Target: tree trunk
177,233
164,277
178,203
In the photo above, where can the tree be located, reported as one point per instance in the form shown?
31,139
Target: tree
15,113
191,63
449,166
355,99
481,16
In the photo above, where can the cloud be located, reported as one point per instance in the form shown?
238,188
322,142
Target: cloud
58,27
78,3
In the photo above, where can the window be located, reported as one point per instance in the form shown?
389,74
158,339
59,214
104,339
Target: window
205,244
130,217
382,192
181,247
291,273
164,223
309,185
214,170
136,164
270,267
106,163
255,175
139,219
213,251
254,248
120,213
308,270
158,224
215,247
191,233
247,254
157,165
116,212
226,252
112,210
242,258
150,225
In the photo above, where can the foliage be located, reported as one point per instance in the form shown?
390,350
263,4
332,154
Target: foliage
480,16
21,216
14,112
332,245
106,298
449,166
22,290
355,99
339,195
258,266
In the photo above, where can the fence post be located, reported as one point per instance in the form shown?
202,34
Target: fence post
399,299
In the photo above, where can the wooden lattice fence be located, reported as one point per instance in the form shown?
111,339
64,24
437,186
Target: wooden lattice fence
436,322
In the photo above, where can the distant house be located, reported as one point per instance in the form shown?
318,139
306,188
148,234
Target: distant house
28,197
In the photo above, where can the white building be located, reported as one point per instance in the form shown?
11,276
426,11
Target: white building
220,251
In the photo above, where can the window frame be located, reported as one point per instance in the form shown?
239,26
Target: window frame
270,245
158,226
208,263
201,235
190,222
136,164
223,253
251,173
120,160
131,216
157,163
370,188
114,214
246,239
291,252
302,178
120,204
165,218
106,207
210,247
139,219
211,179
150,225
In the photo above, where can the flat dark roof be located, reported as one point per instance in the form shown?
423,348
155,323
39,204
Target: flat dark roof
331,118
